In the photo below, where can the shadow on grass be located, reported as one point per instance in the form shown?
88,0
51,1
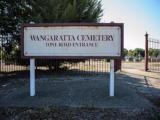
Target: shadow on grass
147,76
143,86
39,73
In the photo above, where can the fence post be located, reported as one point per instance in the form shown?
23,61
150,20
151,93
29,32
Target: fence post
117,64
146,51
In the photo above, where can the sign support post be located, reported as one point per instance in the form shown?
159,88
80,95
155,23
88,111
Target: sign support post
32,77
111,84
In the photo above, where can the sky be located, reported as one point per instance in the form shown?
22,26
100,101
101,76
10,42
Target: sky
138,16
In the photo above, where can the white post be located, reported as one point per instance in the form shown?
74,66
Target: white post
111,84
32,77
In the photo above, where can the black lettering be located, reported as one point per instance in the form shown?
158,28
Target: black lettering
56,37
33,38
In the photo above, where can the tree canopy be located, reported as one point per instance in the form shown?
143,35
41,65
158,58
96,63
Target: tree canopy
49,11
14,13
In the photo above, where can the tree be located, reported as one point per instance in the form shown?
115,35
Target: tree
153,52
125,52
49,11
131,53
138,52
14,13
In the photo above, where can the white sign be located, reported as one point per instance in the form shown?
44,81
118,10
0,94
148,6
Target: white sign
84,41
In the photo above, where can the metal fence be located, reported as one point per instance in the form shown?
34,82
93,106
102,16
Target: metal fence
11,63
152,53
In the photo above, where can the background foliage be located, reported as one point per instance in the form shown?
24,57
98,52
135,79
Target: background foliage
15,12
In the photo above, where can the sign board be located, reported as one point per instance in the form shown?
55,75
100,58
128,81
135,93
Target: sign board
72,40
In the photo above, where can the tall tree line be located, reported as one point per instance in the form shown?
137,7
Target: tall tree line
140,52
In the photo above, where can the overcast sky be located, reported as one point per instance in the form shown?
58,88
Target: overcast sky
138,17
